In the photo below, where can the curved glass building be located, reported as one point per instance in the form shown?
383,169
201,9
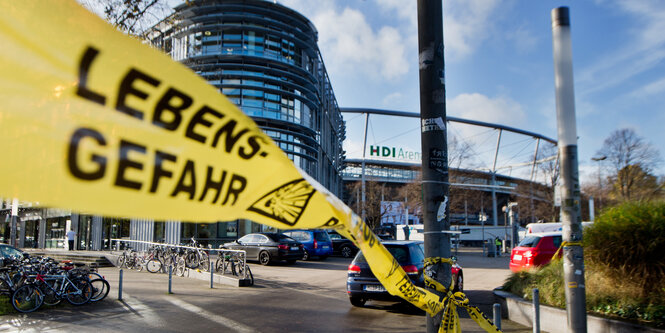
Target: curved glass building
265,58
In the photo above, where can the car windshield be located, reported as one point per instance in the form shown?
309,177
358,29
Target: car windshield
530,241
401,253
280,238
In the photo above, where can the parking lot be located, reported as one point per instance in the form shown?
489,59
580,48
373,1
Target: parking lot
305,297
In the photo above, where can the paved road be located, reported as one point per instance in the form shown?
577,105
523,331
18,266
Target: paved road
306,297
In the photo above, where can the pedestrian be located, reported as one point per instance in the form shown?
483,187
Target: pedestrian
497,241
71,235
406,232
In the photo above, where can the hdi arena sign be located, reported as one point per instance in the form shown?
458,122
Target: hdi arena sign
394,153
93,120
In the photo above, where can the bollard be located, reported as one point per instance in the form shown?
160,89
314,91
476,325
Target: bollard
536,310
497,315
211,273
170,276
120,286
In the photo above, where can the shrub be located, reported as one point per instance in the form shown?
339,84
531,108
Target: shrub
628,241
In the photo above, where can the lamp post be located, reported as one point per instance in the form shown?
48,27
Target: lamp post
600,190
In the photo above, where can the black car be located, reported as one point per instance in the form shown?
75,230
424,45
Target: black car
10,252
362,285
267,247
341,245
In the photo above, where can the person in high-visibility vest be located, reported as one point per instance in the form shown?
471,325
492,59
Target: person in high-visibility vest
497,241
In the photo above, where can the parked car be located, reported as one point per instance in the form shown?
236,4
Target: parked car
341,245
362,285
317,243
534,250
267,247
8,251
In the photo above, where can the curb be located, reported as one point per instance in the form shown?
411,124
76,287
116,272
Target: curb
554,319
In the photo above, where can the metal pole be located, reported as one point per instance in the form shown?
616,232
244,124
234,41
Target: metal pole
495,217
211,273
120,286
496,315
170,277
573,254
14,219
536,311
434,144
362,175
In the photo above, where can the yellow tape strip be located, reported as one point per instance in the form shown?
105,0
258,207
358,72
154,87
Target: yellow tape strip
452,300
94,120
564,244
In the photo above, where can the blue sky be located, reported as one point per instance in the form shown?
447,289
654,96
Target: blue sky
499,68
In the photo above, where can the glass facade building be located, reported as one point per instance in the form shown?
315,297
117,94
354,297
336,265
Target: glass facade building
264,57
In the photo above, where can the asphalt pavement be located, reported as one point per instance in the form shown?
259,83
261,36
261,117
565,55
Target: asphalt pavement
305,297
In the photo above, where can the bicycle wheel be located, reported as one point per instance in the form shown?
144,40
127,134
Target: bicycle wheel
204,263
181,268
122,261
27,298
50,296
191,260
153,265
219,265
249,276
78,292
100,289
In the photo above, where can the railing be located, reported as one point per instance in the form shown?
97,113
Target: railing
221,252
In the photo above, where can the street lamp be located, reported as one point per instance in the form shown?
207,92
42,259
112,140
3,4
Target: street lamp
600,190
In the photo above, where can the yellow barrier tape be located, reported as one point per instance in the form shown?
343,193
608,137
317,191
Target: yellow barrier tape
94,120
564,244
452,300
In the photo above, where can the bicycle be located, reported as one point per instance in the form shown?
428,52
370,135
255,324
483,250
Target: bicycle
76,290
234,262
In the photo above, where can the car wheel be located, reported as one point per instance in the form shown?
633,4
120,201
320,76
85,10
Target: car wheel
357,301
347,252
459,283
264,258
305,255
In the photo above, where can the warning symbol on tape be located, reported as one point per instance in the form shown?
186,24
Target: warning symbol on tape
285,203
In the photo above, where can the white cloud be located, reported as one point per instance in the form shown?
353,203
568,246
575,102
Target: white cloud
646,51
349,44
650,89
466,25
523,38
500,110
392,99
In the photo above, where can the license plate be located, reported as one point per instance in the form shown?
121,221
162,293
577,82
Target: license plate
325,247
295,248
374,288
517,257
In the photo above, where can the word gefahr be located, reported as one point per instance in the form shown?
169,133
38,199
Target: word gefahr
130,173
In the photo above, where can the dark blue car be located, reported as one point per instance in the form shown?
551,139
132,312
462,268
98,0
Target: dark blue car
317,242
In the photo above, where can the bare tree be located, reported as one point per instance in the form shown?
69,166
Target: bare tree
134,17
630,159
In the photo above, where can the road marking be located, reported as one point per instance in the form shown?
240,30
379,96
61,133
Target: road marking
230,323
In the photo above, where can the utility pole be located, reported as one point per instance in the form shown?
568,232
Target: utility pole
14,223
434,144
573,254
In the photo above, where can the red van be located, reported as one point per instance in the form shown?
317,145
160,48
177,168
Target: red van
535,250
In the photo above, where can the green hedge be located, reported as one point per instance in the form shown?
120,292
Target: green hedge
629,241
